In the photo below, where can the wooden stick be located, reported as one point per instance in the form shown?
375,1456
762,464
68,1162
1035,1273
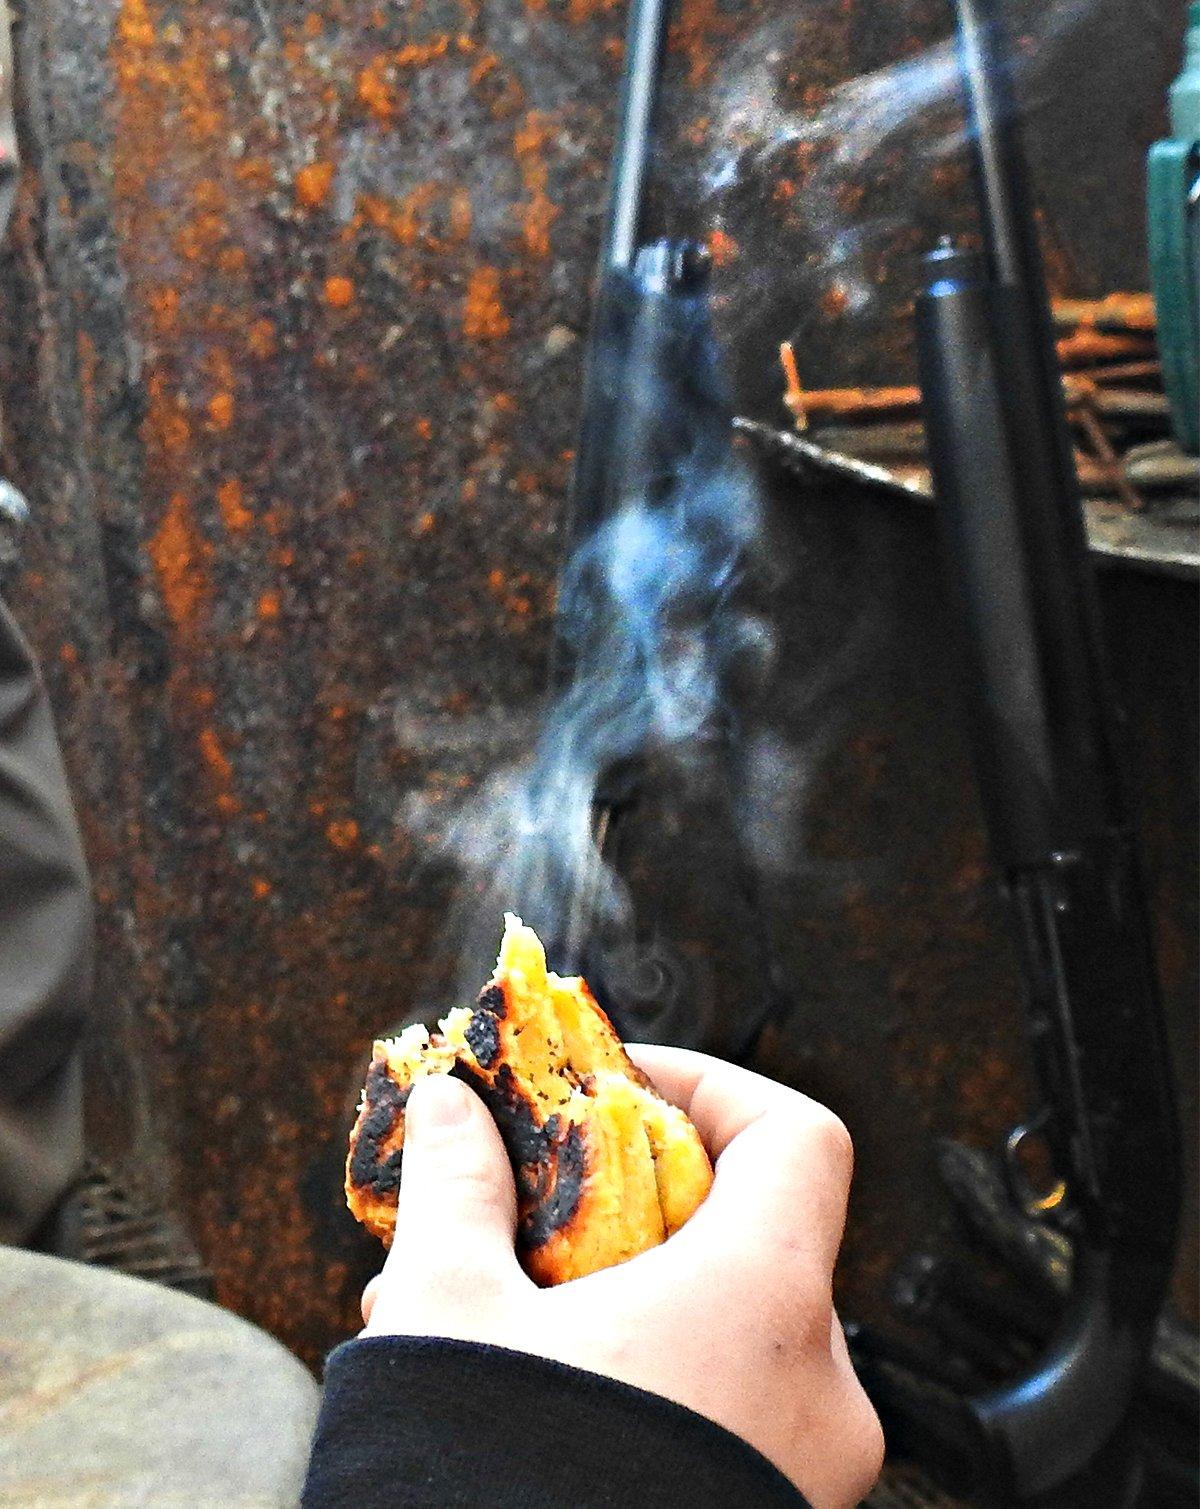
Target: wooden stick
1088,345
1089,421
1117,311
793,393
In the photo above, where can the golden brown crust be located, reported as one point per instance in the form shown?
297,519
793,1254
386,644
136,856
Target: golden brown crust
604,1167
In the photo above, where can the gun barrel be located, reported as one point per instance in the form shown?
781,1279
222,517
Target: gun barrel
645,46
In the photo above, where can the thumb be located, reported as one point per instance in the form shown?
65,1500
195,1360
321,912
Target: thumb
458,1209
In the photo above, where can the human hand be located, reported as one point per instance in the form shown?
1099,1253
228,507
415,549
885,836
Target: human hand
732,1316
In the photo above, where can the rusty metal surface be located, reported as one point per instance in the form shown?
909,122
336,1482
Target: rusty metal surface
288,353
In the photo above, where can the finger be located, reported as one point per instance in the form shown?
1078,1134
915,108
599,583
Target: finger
720,1099
780,1191
783,1162
458,1210
369,1296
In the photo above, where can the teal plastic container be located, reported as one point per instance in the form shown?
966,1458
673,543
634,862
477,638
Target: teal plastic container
1173,206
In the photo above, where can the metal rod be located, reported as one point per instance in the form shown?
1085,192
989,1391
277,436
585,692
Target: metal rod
645,46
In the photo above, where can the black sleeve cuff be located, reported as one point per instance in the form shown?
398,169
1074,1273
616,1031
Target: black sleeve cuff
415,1420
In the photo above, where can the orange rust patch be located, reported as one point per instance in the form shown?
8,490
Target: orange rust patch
723,247
260,887
484,318
220,410
269,606
231,499
164,309
418,54
342,835
405,225
482,66
313,183
460,214
180,556
339,292
834,301
375,90
261,338
215,757
165,426
699,24
539,213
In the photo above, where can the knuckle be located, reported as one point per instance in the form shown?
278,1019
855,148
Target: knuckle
832,1139
869,1446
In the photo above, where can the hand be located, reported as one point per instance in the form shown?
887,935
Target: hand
732,1317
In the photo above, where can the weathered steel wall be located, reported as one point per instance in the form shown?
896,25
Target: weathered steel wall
290,344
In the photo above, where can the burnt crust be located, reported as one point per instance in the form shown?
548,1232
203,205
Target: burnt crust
557,1206
547,1163
384,1100
483,1038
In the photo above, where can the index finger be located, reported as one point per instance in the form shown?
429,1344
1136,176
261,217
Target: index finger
783,1161
720,1099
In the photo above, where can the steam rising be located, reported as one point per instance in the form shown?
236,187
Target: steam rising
653,613
655,629
759,134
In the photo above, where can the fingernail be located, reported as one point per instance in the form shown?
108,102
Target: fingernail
436,1101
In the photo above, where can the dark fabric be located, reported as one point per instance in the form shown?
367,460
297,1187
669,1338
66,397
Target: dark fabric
411,1420
45,952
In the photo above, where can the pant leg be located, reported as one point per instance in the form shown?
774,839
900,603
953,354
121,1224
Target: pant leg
45,952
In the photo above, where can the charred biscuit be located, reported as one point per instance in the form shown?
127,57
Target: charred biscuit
605,1168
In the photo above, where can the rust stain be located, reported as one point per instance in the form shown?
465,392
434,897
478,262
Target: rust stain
231,500
579,11
482,66
539,212
269,606
180,556
375,90
460,214
834,301
339,292
723,247
165,427
342,835
214,756
220,410
484,318
164,309
420,54
405,223
377,87
699,24
261,340
313,183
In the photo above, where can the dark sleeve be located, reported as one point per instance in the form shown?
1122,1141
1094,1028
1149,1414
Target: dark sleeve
413,1420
